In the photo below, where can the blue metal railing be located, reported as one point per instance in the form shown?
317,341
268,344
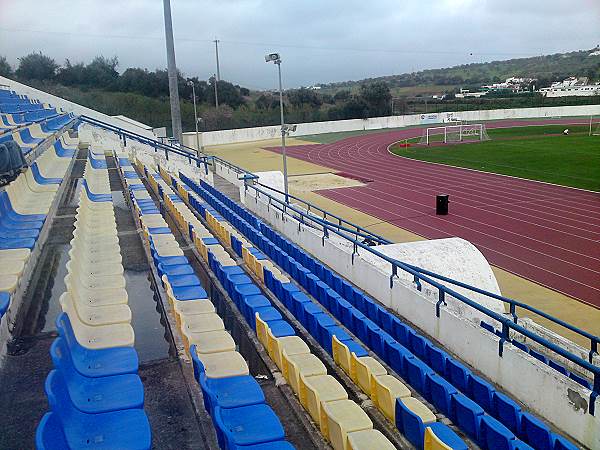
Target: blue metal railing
421,275
182,150
347,229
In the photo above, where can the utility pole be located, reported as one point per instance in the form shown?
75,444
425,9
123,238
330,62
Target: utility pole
216,92
216,41
172,71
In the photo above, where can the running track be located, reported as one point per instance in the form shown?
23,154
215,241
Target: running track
546,233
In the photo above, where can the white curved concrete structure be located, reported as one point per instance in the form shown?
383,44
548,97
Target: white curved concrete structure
454,258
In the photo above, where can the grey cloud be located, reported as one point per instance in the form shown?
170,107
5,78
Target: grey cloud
320,41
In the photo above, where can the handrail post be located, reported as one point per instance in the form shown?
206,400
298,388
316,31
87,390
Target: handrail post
441,299
393,275
417,282
513,312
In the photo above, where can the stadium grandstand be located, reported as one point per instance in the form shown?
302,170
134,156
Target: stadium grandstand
156,297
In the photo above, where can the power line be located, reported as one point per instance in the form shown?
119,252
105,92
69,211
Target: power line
273,44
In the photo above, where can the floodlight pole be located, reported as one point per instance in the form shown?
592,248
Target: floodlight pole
172,72
198,146
276,59
285,175
591,117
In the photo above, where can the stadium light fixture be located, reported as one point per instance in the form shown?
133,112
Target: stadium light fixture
198,146
276,59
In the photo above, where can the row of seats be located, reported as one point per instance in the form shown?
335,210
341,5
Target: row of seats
24,206
232,397
411,355
541,357
365,370
29,137
95,394
340,420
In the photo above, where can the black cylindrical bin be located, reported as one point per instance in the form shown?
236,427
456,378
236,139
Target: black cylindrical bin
441,205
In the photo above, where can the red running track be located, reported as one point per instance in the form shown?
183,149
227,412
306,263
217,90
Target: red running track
543,232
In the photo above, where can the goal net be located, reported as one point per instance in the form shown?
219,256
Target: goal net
455,133
595,126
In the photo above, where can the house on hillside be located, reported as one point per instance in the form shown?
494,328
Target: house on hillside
571,87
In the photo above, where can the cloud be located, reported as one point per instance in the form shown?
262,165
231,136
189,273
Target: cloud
319,41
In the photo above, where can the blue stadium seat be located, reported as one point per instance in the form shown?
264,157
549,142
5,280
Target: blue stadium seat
127,429
482,393
49,434
96,395
445,434
436,358
252,303
458,375
326,335
97,363
494,435
558,367
273,445
418,345
416,374
409,424
467,415
536,433
297,302
401,332
560,443
246,425
440,393
508,412
396,356
520,445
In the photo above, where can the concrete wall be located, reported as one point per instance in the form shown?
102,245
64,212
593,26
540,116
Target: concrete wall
378,123
542,389
68,106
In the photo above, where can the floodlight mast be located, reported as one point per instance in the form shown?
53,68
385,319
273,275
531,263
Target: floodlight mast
276,59
172,72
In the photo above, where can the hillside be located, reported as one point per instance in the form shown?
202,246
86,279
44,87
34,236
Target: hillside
546,69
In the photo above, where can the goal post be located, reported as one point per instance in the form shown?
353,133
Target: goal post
455,133
594,126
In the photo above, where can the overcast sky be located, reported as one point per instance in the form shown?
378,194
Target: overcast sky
320,40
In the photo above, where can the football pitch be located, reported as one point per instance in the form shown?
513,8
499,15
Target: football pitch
539,153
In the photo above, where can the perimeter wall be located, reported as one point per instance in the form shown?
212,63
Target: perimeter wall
379,123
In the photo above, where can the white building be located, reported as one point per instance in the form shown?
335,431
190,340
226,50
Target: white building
572,86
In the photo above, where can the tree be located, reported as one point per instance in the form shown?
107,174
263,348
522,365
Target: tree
267,101
71,74
5,68
303,96
356,108
228,94
102,72
377,96
36,66
341,96
245,91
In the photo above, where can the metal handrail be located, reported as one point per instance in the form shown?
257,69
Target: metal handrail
594,340
351,228
190,155
420,275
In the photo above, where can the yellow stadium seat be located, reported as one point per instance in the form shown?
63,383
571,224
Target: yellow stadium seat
419,408
262,331
305,364
223,365
213,342
319,389
341,355
343,417
432,442
385,389
362,370
369,440
293,344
